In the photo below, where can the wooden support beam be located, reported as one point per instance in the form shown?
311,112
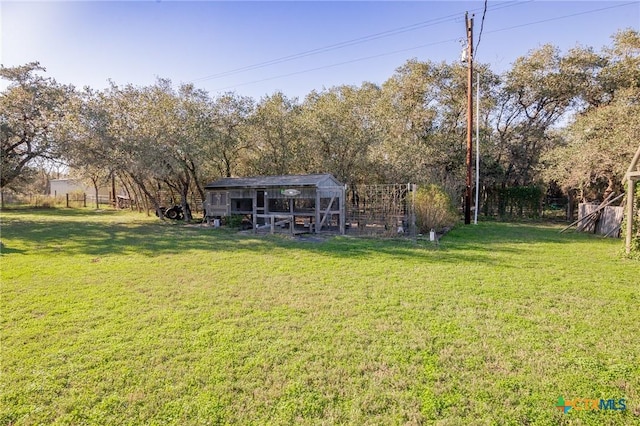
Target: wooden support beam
316,223
272,223
632,175
631,189
326,213
343,214
254,215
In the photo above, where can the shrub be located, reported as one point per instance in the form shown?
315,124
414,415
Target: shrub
233,221
434,209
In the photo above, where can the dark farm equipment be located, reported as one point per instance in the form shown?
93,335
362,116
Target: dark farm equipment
175,212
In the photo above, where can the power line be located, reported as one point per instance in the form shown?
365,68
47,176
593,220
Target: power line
325,49
562,17
420,46
347,43
337,64
484,13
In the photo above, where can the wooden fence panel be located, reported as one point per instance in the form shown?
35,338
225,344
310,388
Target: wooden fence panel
606,222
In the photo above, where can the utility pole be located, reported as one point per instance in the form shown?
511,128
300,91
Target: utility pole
477,203
467,193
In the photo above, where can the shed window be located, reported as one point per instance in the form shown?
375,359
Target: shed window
241,205
218,198
305,205
278,205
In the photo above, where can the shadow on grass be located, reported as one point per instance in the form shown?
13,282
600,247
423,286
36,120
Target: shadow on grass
53,212
61,232
4,250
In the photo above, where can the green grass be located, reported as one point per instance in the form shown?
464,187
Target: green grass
116,318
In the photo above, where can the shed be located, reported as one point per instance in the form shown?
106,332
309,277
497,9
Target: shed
298,203
66,186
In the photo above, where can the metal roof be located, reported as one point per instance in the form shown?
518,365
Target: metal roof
316,180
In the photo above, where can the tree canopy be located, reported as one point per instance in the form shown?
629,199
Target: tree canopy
563,118
32,109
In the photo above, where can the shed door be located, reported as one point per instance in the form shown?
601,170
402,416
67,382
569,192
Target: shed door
260,200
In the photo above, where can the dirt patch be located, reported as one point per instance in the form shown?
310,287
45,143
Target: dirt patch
310,238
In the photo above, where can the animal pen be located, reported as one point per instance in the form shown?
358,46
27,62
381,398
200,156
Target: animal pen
289,203
312,204
386,210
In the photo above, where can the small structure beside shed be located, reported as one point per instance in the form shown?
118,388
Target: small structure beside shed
596,219
296,203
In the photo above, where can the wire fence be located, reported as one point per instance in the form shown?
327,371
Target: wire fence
383,210
48,201
86,200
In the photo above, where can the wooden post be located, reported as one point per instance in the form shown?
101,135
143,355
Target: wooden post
468,183
630,194
292,224
254,216
67,194
317,221
84,200
632,175
343,212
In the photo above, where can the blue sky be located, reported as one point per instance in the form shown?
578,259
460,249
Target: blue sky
88,43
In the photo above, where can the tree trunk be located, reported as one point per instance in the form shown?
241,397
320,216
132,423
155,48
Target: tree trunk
186,209
95,188
194,176
149,197
184,200
570,205
114,201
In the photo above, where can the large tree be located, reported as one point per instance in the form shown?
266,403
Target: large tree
32,109
179,131
275,133
535,95
422,116
227,123
406,115
339,130
601,140
88,148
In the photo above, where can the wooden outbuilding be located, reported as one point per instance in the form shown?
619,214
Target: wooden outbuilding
295,203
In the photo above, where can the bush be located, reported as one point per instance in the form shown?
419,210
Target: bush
434,209
234,221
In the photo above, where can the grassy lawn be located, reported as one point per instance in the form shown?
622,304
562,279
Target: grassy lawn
116,318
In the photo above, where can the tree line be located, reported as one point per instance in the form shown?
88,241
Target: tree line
562,121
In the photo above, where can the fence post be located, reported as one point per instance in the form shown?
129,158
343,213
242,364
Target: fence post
84,199
67,196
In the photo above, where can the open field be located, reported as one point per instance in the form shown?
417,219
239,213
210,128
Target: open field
116,318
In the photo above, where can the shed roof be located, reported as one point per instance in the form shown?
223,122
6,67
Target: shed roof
315,180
